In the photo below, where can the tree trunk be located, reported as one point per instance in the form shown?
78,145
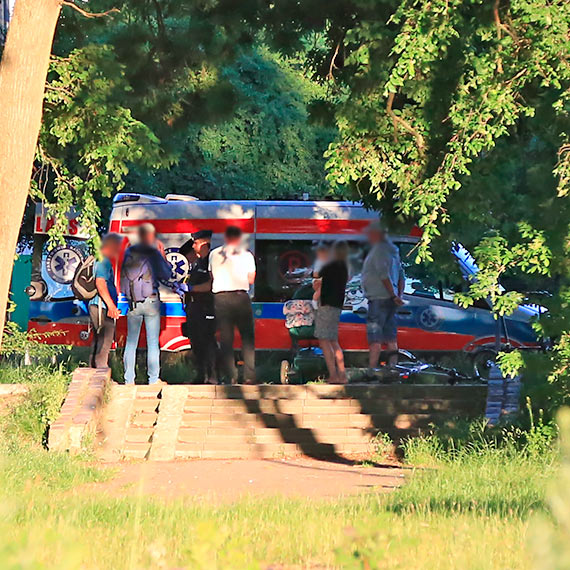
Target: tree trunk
23,72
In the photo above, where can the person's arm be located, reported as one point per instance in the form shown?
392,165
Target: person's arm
161,267
251,270
103,290
383,267
401,281
160,247
388,284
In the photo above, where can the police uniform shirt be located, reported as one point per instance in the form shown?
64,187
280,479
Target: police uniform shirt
199,272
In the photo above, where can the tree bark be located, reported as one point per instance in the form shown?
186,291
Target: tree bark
23,72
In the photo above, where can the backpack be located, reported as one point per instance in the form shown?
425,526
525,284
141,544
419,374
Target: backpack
83,282
137,278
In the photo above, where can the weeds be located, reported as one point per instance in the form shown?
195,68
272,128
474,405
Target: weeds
30,418
382,448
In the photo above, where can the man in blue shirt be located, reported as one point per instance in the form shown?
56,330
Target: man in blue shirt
103,307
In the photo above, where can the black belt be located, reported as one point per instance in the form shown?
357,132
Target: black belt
231,292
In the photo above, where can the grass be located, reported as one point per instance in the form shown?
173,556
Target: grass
447,517
471,501
469,512
47,387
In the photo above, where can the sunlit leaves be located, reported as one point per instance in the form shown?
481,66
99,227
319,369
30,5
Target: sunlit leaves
89,139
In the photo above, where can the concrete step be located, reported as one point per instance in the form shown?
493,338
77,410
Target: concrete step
272,435
162,423
297,405
250,451
136,450
325,391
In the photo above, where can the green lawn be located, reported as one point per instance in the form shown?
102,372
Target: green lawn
470,513
477,501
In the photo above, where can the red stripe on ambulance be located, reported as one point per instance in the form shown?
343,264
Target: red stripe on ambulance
309,226
182,226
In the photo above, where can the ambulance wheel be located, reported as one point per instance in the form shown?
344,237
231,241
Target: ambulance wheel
284,372
482,362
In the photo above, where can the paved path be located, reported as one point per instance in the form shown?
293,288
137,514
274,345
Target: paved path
227,480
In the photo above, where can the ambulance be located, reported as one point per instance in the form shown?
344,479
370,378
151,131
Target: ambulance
281,235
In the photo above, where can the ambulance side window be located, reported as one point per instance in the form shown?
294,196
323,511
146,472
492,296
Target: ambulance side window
284,268
420,280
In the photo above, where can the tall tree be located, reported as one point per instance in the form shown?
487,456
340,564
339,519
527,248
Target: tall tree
23,71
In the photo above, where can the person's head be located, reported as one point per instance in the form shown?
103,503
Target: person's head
147,234
323,251
111,245
233,235
201,243
340,251
376,232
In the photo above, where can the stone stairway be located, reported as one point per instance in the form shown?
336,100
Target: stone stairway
269,421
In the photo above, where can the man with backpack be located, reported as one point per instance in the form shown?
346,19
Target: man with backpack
103,305
144,267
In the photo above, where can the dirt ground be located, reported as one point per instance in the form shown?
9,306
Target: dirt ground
228,480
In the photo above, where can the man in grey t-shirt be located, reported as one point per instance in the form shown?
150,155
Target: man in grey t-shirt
383,284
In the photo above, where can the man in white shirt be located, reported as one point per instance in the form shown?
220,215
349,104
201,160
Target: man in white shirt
233,272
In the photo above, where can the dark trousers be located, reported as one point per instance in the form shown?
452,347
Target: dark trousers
233,309
103,334
201,330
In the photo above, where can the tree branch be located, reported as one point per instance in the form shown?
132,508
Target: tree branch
332,65
85,12
499,26
399,121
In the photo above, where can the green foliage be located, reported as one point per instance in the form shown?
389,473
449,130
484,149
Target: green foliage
28,421
433,91
382,447
461,440
455,116
89,138
266,148
20,344
495,256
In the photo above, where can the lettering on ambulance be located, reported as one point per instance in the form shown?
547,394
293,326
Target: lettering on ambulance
73,226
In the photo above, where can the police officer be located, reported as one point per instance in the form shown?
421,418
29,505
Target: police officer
199,304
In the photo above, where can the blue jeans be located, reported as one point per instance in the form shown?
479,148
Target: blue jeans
149,312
